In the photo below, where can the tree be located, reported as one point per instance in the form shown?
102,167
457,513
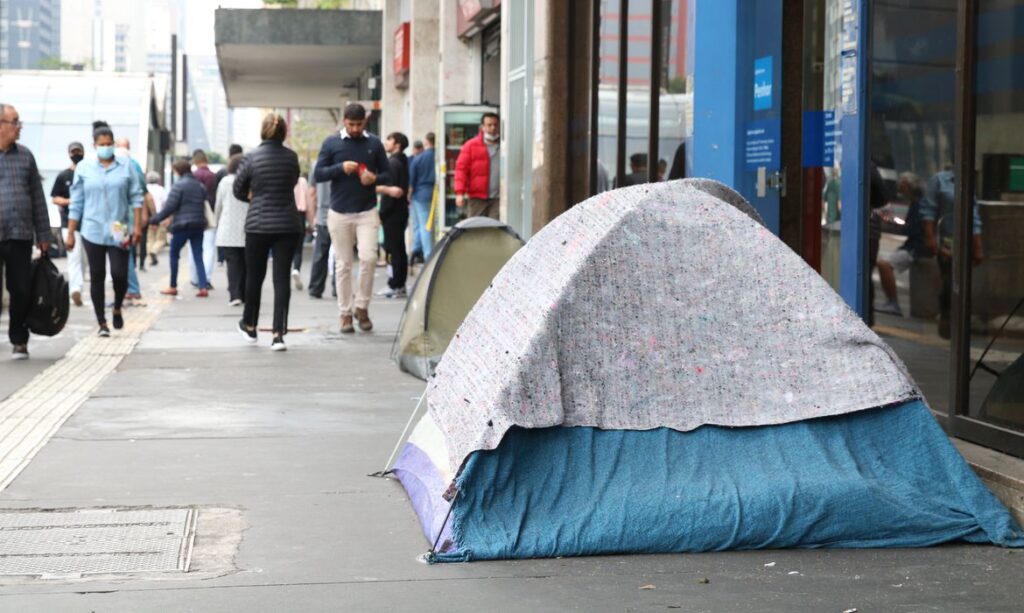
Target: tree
215,158
54,62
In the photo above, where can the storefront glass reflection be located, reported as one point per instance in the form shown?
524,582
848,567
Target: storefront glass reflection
912,148
997,279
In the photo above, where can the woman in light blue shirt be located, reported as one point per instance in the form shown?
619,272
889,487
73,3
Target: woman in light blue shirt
104,196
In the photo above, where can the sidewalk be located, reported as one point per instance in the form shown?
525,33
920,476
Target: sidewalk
273,450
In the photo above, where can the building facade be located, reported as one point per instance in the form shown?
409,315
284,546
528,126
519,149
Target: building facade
802,107
29,33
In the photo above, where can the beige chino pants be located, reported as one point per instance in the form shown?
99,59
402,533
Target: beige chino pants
354,231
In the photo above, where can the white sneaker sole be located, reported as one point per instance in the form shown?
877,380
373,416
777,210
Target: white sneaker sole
19,356
279,347
298,281
247,338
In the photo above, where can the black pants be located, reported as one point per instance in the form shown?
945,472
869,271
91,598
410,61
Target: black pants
257,248
235,258
297,257
98,256
318,267
394,244
140,250
16,259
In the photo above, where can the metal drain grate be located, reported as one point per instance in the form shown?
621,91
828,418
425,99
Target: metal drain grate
96,541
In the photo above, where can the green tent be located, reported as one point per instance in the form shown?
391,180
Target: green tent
461,267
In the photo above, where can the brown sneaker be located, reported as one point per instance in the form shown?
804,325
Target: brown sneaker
364,320
346,324
76,297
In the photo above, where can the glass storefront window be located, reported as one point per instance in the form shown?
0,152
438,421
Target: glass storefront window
607,94
996,360
912,147
675,116
637,82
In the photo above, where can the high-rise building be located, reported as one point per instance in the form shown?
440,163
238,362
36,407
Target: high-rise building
29,33
107,35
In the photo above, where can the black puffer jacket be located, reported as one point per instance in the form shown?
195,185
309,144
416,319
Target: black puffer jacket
270,171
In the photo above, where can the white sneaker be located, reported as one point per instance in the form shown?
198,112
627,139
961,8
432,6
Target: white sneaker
278,344
236,302
387,292
297,278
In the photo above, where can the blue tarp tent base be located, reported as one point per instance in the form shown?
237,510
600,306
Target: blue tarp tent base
885,477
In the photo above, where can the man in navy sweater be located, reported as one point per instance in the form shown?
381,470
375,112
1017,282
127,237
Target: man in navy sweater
354,162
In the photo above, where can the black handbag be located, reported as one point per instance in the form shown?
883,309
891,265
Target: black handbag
50,304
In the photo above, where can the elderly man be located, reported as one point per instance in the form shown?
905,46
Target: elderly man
23,217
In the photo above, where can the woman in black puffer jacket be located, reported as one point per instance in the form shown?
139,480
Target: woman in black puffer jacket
267,179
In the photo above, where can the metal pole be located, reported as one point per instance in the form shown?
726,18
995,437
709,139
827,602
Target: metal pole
184,98
174,91
620,145
853,241
963,207
657,63
595,85
401,440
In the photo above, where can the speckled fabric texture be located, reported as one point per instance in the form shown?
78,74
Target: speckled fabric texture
665,304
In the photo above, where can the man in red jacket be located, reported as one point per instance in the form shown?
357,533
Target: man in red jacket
476,171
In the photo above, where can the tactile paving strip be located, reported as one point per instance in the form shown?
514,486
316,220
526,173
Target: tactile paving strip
96,541
30,416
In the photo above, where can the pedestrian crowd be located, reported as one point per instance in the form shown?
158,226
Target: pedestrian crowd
253,214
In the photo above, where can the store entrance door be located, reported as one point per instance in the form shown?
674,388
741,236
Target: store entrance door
761,177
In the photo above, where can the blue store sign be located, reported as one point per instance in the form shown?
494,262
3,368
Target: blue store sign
761,144
763,83
821,131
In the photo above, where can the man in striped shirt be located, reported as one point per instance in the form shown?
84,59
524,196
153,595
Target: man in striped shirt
23,218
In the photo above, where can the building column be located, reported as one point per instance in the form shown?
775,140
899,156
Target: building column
714,98
549,134
459,81
394,101
424,65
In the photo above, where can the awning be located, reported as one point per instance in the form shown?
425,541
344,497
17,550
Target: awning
299,58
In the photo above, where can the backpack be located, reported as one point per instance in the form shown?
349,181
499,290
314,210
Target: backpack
50,306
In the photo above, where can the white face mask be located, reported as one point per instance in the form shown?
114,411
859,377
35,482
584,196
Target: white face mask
491,138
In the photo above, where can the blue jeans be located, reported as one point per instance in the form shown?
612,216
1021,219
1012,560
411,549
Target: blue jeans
133,277
424,239
209,256
194,237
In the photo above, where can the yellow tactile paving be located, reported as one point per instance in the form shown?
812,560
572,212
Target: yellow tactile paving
31,415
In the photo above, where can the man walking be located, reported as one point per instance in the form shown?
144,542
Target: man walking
321,202
354,162
233,150
61,196
23,217
394,214
208,180
477,185
421,191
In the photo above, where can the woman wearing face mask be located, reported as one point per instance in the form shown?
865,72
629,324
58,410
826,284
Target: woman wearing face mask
185,201
106,196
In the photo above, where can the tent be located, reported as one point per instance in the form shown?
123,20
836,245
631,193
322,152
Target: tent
656,372
461,267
